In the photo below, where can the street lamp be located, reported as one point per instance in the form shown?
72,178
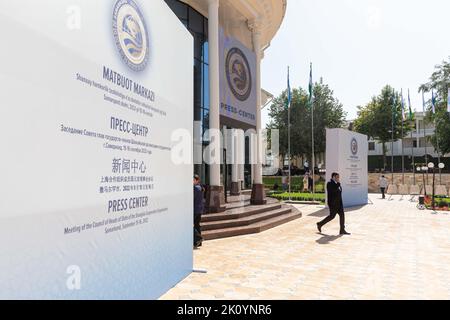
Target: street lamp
425,182
432,167
420,169
441,167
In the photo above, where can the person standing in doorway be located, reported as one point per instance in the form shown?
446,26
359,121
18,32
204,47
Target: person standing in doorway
306,166
383,186
335,204
199,208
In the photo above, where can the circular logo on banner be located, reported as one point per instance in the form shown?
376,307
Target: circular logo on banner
130,33
354,146
238,74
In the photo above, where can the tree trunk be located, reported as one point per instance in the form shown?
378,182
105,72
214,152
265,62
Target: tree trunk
384,157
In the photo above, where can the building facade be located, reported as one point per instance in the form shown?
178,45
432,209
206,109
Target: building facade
247,27
416,148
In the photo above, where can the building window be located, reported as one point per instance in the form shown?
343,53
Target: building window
414,143
371,146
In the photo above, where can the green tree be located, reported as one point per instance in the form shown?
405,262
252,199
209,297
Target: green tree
328,113
439,82
376,118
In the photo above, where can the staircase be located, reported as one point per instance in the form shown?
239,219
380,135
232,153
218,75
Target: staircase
241,218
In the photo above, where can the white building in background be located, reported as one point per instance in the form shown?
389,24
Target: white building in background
416,144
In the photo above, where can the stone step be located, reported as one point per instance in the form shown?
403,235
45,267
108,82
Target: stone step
254,227
246,221
246,203
241,198
239,213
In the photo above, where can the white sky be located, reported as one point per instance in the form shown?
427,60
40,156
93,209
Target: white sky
358,46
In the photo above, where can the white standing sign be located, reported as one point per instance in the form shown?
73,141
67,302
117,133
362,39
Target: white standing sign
347,154
92,206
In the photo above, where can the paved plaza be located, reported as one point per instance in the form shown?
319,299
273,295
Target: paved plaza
394,252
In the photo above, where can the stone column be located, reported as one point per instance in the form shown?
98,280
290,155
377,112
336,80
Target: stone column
215,198
258,193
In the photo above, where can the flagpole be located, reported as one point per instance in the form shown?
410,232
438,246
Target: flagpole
289,150
392,140
411,118
403,146
413,160
289,139
313,150
424,133
437,137
312,134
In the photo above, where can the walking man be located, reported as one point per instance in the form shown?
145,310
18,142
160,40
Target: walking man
383,186
335,204
198,211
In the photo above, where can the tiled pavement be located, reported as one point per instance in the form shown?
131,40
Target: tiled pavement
394,252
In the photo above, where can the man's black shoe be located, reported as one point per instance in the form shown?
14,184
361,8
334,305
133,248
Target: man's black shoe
199,244
345,233
319,227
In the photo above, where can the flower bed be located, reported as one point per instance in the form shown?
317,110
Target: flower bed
440,203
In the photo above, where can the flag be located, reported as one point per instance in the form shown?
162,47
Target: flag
403,106
448,100
289,94
433,102
394,107
311,86
411,114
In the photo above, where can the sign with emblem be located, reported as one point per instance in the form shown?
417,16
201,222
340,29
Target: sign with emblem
237,81
95,205
347,154
131,35
354,146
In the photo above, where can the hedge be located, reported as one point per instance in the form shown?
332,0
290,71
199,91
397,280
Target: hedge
297,196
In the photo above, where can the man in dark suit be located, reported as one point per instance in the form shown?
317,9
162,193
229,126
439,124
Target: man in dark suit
335,204
199,208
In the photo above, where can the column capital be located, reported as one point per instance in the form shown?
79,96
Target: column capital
255,26
213,2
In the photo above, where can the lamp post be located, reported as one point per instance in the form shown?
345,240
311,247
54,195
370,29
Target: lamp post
425,182
419,170
441,167
431,167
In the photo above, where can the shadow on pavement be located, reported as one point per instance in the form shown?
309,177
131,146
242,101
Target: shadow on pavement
326,239
320,214
325,212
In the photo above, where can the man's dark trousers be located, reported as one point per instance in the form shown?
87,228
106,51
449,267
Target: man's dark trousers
333,213
383,190
198,211
197,229
334,192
